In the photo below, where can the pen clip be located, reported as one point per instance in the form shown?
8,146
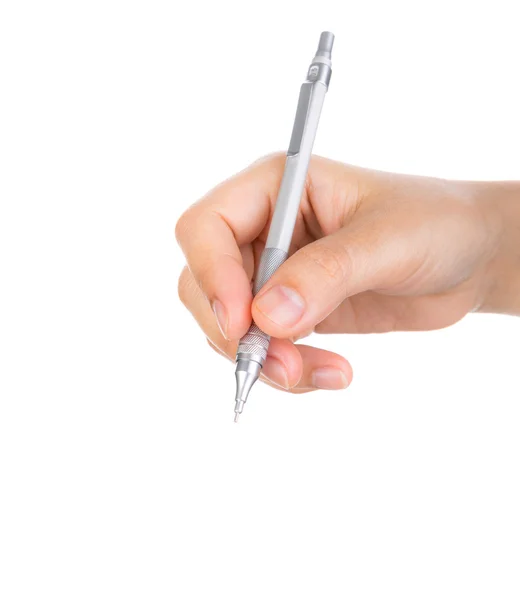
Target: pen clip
300,119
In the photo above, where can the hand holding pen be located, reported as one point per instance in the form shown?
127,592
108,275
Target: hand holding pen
371,252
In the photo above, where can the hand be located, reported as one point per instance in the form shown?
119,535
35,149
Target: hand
371,252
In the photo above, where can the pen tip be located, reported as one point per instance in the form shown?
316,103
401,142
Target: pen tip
237,414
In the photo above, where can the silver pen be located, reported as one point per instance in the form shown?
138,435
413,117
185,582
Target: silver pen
252,348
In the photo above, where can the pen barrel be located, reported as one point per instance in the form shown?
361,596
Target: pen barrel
255,343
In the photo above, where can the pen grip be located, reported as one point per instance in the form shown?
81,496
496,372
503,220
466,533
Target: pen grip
255,342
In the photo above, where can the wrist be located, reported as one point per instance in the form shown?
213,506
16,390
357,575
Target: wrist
500,203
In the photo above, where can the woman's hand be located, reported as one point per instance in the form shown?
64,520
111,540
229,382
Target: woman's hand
371,252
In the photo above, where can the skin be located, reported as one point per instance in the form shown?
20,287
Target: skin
372,252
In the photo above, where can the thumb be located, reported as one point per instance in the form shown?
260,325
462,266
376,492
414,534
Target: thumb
318,277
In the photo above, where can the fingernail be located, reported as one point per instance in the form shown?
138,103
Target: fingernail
221,316
282,305
329,378
276,372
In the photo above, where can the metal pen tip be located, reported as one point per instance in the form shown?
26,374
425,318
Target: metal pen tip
237,414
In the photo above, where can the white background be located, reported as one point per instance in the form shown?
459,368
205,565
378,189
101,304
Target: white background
122,474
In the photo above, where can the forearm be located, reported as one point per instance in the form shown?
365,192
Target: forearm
502,201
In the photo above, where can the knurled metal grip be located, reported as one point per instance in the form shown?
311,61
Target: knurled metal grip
254,344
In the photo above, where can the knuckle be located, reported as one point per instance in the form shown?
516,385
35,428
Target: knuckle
183,226
331,261
184,286
179,228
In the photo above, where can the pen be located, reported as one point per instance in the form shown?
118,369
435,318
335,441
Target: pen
252,348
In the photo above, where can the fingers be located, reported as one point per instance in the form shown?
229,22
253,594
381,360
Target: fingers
211,232
371,312
293,368
322,370
366,254
284,364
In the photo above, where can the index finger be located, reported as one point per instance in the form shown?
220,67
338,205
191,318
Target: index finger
211,232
